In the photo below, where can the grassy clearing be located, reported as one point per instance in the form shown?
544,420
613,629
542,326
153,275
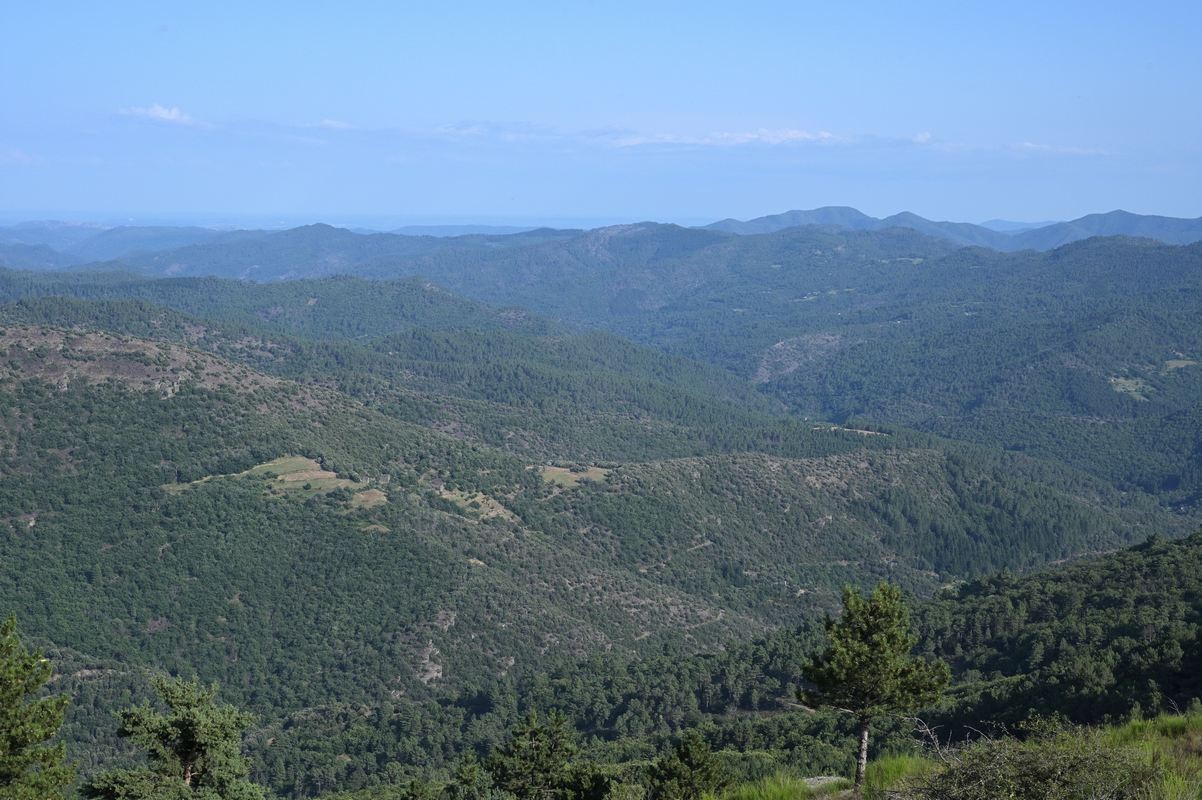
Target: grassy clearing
296,476
1133,387
1179,363
477,505
567,478
369,498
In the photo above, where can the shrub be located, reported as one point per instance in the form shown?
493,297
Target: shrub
1073,764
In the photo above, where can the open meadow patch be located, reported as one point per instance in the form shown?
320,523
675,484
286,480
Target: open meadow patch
568,477
297,476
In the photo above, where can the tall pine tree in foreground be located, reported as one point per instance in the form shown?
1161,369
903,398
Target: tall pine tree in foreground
30,769
867,669
195,750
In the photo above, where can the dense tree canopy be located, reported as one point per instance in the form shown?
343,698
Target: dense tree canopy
194,750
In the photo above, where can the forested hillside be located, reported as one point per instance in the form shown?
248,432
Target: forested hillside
391,519
1087,354
1094,642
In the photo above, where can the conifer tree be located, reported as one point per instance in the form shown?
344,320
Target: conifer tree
30,769
689,771
195,751
536,764
469,781
867,669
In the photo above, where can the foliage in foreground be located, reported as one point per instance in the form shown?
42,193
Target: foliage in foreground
30,769
866,669
195,751
1159,759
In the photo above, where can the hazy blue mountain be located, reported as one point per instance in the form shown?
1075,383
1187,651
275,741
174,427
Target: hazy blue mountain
52,233
1170,230
995,234
128,240
460,230
963,233
1014,226
17,255
846,218
840,216
319,250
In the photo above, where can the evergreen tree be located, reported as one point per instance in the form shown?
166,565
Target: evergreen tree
867,669
470,781
689,771
195,751
30,769
536,764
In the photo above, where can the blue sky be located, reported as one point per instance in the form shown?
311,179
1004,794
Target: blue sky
562,112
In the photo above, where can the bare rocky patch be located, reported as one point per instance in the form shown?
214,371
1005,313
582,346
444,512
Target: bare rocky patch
789,355
64,357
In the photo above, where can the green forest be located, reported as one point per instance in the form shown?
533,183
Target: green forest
567,515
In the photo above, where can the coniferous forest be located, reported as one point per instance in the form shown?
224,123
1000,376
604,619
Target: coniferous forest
371,537
506,401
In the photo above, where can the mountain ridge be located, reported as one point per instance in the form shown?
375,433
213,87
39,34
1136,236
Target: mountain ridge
996,234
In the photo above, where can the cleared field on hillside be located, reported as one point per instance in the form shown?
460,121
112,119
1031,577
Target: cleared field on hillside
562,476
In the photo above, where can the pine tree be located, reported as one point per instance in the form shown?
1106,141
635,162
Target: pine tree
195,751
536,764
689,771
470,781
866,669
30,769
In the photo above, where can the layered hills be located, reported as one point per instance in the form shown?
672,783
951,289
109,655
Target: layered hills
377,507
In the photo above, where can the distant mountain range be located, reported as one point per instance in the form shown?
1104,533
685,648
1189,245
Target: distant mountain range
461,230
995,234
320,249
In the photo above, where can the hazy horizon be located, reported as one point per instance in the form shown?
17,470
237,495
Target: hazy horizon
384,222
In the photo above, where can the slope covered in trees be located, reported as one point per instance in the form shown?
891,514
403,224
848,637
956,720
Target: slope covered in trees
1087,354
391,520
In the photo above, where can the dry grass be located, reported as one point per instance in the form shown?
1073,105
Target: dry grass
477,505
300,476
562,476
369,498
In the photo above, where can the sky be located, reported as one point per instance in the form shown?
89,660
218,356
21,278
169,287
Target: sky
573,112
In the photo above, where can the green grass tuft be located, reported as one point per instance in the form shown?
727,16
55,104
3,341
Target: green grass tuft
892,771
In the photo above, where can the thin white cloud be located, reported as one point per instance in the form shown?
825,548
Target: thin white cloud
1060,150
519,133
923,137
333,125
169,115
762,136
312,141
16,157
